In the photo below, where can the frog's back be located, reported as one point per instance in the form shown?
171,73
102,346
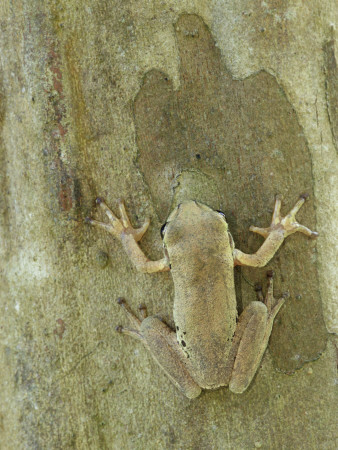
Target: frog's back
205,304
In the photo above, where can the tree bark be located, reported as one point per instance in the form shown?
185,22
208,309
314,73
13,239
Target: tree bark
224,102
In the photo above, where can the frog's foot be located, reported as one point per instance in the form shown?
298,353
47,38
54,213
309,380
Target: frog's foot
287,224
117,226
161,341
135,331
129,237
273,305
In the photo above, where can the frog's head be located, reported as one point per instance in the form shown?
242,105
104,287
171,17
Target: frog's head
192,220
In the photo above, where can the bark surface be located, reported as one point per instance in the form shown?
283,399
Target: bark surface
155,102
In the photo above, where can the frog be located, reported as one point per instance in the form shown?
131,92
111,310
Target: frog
211,346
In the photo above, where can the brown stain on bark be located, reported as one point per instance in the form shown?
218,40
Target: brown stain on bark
58,129
83,130
331,88
60,328
71,192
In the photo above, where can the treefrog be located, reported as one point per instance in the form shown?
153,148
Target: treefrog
210,348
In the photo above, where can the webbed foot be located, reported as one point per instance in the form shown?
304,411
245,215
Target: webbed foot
288,223
117,226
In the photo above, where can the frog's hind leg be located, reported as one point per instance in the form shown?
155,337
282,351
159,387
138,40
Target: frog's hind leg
162,344
252,336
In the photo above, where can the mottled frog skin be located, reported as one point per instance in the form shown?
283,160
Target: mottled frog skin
210,347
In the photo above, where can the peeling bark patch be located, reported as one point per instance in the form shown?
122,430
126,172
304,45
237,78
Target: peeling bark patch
244,135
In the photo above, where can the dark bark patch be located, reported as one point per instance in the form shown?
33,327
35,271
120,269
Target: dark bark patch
249,142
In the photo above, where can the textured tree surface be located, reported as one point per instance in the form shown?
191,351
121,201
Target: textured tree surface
154,102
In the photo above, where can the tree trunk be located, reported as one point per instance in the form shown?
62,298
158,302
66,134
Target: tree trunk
227,105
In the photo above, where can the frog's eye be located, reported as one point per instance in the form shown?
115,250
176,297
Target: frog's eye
163,230
221,213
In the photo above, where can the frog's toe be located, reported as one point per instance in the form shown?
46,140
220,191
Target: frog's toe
278,304
123,213
273,305
135,321
102,225
259,292
130,332
108,212
262,231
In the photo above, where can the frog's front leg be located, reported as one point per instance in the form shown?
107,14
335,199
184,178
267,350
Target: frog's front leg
252,336
129,237
162,343
280,228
